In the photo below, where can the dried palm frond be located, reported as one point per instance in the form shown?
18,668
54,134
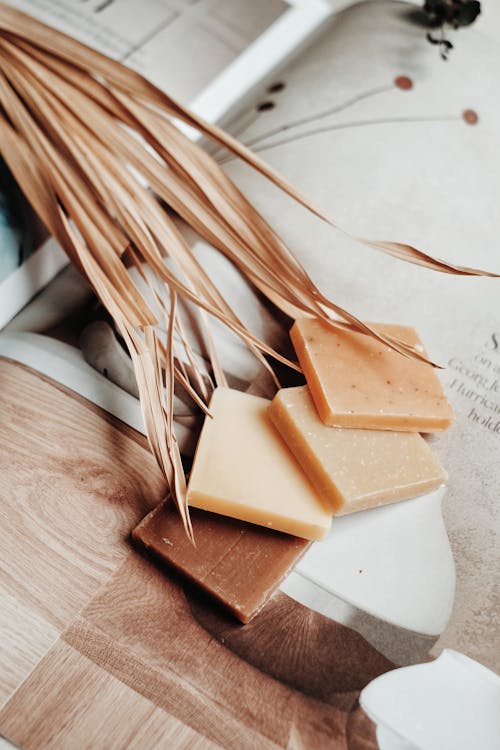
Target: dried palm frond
95,149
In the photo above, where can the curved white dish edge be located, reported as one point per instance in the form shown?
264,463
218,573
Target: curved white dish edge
452,703
393,562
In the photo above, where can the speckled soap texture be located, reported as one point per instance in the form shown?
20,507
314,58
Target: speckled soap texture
359,382
354,469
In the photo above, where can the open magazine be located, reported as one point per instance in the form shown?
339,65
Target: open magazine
210,54
368,122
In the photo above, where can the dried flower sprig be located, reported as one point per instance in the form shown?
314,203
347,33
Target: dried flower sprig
443,15
94,147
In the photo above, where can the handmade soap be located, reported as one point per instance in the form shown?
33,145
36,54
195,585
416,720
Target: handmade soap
354,469
237,563
356,381
243,469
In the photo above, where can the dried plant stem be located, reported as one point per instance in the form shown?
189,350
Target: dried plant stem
95,148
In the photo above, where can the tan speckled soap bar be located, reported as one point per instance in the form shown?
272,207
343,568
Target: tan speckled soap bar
354,469
359,382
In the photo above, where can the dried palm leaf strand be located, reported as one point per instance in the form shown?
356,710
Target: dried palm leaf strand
17,24
222,299
255,217
55,67
129,81
220,379
102,235
147,374
83,135
162,269
316,311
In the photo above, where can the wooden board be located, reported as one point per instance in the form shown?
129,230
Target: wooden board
100,649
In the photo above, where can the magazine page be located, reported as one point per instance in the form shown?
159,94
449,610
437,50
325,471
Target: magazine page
393,143
396,144
181,45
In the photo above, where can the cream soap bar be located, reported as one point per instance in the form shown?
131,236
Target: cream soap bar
242,468
356,381
354,469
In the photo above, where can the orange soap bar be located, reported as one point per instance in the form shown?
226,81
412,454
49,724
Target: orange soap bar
356,381
354,469
243,469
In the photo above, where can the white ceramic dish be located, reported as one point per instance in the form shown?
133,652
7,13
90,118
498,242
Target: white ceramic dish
452,703
394,562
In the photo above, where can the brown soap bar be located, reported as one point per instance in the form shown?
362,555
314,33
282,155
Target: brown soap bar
237,563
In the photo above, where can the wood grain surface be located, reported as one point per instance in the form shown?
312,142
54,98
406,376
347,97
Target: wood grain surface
71,486
99,648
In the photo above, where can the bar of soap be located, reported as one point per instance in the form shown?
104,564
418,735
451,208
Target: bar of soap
354,469
237,563
243,469
356,381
